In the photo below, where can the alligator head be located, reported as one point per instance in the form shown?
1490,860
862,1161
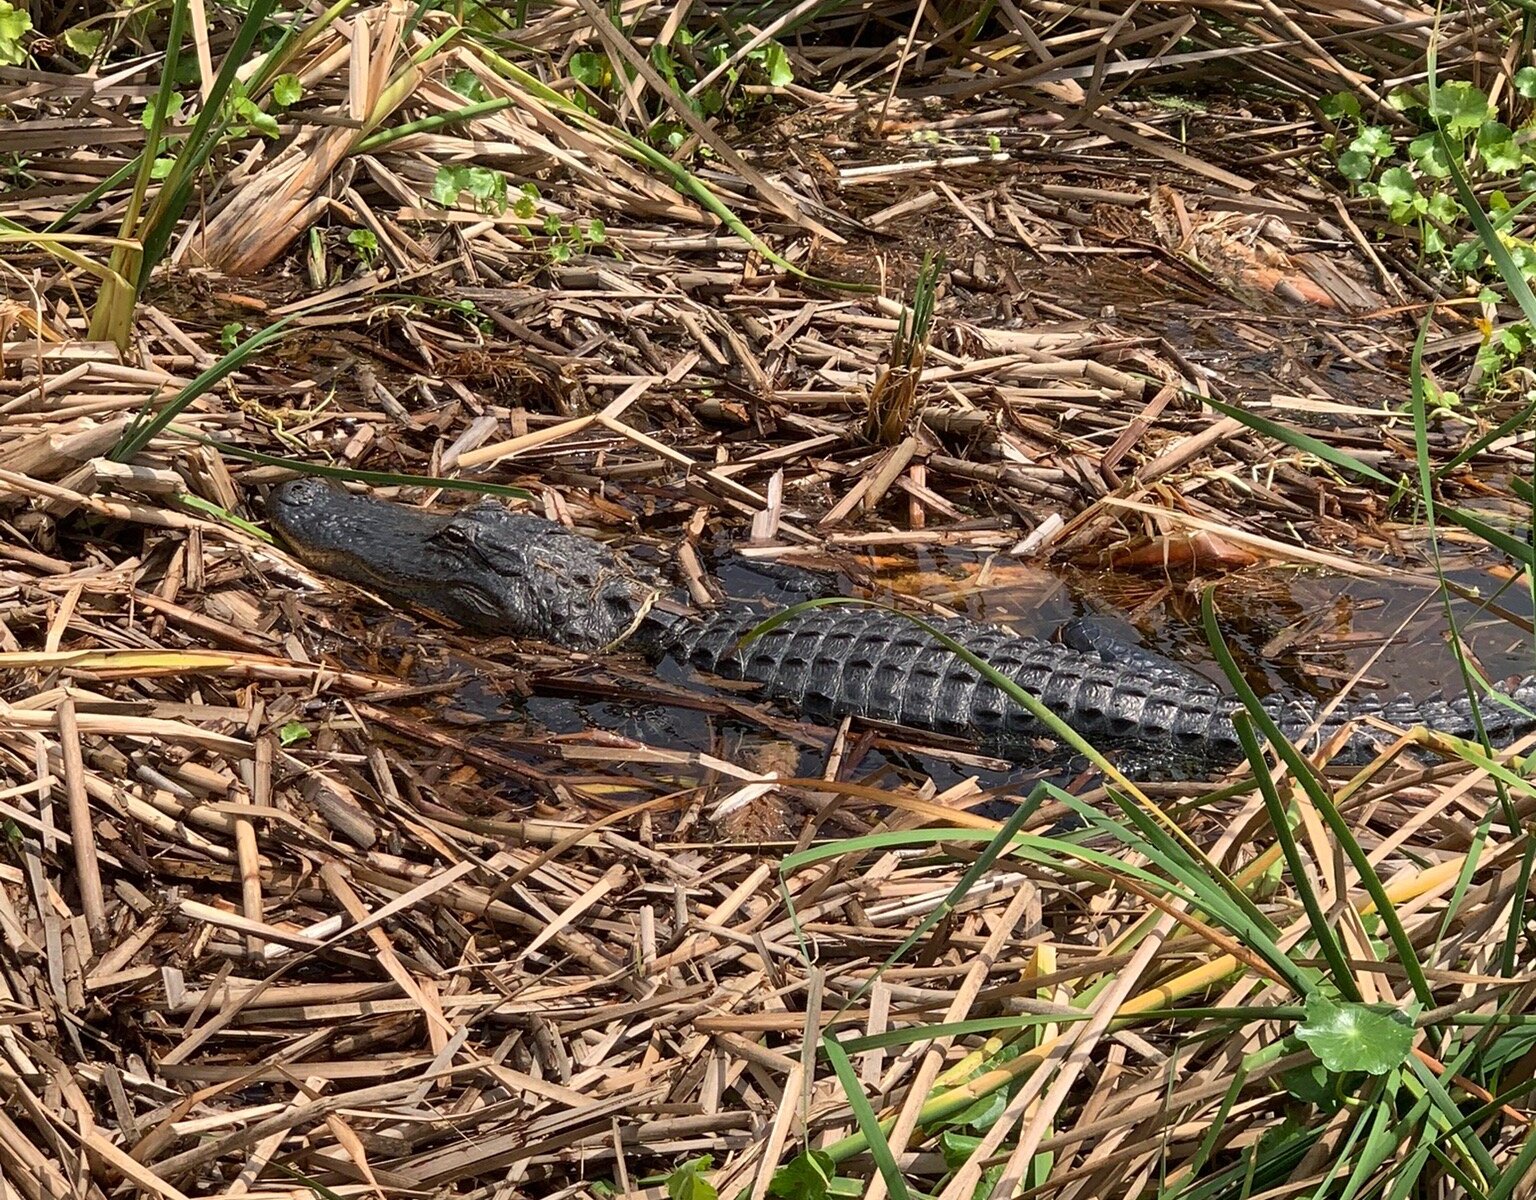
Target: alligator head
485,567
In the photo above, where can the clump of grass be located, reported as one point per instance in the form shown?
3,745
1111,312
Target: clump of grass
893,396
1296,1003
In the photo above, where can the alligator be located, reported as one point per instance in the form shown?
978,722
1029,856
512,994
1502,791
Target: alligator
493,570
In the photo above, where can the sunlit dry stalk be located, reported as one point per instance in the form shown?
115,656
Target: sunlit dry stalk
893,396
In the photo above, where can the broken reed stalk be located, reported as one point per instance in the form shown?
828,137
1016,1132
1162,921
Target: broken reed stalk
893,396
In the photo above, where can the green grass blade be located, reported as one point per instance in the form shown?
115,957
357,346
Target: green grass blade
1509,270
868,1121
209,508
1344,461
207,131
375,142
88,201
1307,778
112,314
1301,878
143,430
1514,424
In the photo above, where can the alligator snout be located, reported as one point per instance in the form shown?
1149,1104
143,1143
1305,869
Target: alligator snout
297,503
483,566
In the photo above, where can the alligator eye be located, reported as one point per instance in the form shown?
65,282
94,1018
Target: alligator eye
453,535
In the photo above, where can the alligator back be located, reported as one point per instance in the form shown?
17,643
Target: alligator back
835,661
840,660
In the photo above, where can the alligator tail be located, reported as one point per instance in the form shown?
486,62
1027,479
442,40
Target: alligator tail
1505,716
837,661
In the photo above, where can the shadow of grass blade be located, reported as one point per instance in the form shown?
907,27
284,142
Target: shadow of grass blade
682,179
1522,552
144,427
1472,680
1058,728
354,475
989,855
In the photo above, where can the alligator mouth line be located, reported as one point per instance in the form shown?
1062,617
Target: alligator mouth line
483,566
357,538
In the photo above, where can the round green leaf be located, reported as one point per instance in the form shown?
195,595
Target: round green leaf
467,84
590,69
1525,82
807,1177
1460,106
1497,146
1443,207
1397,186
173,105
688,1182
84,42
448,183
1354,165
1427,152
1313,1085
13,25
776,63
286,89
1356,1037
1340,104
1375,140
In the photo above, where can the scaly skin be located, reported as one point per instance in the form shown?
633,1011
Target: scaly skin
835,661
520,575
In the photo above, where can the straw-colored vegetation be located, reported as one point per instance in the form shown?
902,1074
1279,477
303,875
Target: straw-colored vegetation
1193,292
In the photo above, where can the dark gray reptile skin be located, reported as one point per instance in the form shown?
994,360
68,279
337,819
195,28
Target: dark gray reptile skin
520,575
835,661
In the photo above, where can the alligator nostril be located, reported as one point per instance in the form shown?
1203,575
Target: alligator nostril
300,492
